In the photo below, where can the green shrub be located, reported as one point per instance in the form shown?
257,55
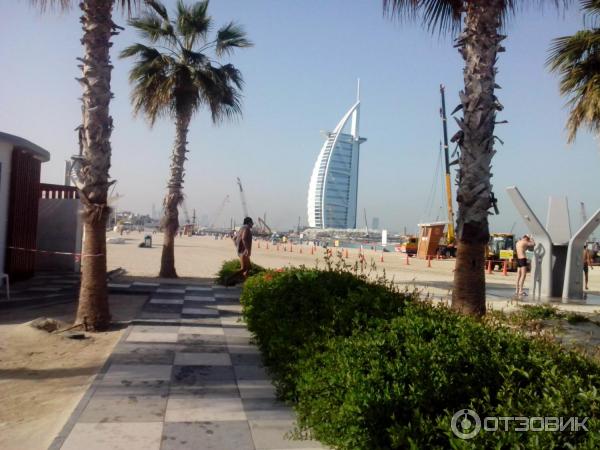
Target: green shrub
288,309
539,312
398,385
233,265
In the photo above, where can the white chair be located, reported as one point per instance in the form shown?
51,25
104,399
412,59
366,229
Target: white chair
4,277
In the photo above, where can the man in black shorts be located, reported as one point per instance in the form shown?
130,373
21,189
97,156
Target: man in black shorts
522,245
587,263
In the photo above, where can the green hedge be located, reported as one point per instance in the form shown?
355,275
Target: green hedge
233,265
287,310
370,368
399,384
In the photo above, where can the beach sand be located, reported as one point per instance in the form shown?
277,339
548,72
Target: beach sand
202,256
43,376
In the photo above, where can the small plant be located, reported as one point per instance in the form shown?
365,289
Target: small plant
539,312
574,318
233,265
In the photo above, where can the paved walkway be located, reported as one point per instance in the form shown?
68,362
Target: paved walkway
184,376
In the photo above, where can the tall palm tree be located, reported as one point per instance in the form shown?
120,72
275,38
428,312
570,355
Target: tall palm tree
479,42
176,77
577,59
94,134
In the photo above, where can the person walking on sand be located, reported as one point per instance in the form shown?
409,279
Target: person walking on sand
243,244
587,264
522,245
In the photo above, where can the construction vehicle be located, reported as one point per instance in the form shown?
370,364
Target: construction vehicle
501,247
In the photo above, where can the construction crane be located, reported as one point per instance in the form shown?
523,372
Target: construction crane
219,211
264,228
242,197
450,238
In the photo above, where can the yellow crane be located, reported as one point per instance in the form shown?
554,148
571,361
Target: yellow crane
450,234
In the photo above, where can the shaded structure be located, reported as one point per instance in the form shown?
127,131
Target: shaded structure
557,266
20,167
333,188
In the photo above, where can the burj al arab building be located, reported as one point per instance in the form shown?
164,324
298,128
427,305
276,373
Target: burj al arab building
333,188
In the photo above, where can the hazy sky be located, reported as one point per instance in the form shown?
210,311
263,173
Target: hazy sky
300,79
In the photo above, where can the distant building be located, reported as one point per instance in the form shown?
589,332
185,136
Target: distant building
333,188
375,223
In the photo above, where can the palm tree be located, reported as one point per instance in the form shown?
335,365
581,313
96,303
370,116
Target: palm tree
577,59
94,133
479,43
175,78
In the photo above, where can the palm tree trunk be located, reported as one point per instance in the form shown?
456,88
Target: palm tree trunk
174,196
479,44
97,126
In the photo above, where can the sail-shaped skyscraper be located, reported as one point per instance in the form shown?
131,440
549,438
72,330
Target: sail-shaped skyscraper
333,188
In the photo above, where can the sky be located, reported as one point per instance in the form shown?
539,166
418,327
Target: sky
300,78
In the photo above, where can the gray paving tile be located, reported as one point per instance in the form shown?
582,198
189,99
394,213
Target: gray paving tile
202,359
250,373
275,434
125,408
170,291
267,409
194,311
232,330
152,337
167,301
214,330
256,389
135,379
202,340
229,435
115,436
199,298
246,359
161,317
204,409
155,329
144,353
202,375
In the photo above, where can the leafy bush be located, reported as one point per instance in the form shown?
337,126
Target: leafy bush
399,384
369,368
233,265
289,309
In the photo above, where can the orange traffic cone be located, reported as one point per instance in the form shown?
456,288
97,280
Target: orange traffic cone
407,260
312,250
381,259
505,268
300,249
489,267
429,261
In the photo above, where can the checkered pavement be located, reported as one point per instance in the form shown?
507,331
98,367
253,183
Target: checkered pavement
185,375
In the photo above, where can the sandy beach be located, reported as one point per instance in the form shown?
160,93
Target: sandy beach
202,256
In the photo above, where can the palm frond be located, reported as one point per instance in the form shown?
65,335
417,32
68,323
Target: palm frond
126,5
229,37
153,28
177,77
158,8
576,59
193,22
443,15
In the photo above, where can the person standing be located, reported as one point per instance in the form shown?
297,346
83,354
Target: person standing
243,244
587,264
522,245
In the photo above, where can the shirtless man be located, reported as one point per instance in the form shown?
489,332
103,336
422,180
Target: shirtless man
587,263
243,244
522,245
